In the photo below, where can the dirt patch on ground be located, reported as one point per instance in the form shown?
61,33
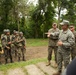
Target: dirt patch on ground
31,53
36,52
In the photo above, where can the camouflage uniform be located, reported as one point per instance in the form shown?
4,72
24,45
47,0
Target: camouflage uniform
1,53
7,52
2,41
64,51
3,35
52,44
66,40
18,47
22,42
13,45
73,48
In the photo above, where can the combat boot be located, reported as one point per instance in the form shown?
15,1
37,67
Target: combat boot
57,73
48,63
11,60
24,59
18,59
6,61
55,65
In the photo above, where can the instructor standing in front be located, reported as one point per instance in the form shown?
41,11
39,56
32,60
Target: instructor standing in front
66,40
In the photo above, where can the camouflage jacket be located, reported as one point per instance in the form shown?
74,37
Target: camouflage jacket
5,42
74,35
13,39
53,39
67,38
22,41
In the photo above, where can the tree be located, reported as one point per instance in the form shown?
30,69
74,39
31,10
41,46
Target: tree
6,6
11,13
71,11
48,13
43,17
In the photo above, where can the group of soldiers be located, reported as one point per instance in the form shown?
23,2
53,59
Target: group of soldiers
63,42
12,46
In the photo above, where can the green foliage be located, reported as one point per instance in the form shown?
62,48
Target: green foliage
71,10
6,6
32,20
42,18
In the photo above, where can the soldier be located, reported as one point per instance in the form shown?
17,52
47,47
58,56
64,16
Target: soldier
2,41
7,46
66,40
18,46
23,46
4,33
52,43
73,48
1,53
13,43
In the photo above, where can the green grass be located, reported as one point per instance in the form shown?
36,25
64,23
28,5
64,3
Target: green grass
36,42
20,64
30,43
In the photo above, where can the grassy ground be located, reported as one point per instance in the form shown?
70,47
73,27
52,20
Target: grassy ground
20,64
30,43
36,42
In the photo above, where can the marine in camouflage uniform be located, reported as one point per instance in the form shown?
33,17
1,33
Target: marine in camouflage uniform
2,41
66,40
7,46
1,53
13,44
18,46
22,43
4,33
52,43
73,48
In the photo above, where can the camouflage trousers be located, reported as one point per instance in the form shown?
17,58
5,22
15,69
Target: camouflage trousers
23,50
14,50
50,51
20,53
8,55
73,52
63,57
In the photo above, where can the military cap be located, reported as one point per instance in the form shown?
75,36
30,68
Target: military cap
17,32
14,31
4,30
71,26
7,30
54,23
65,22
20,32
